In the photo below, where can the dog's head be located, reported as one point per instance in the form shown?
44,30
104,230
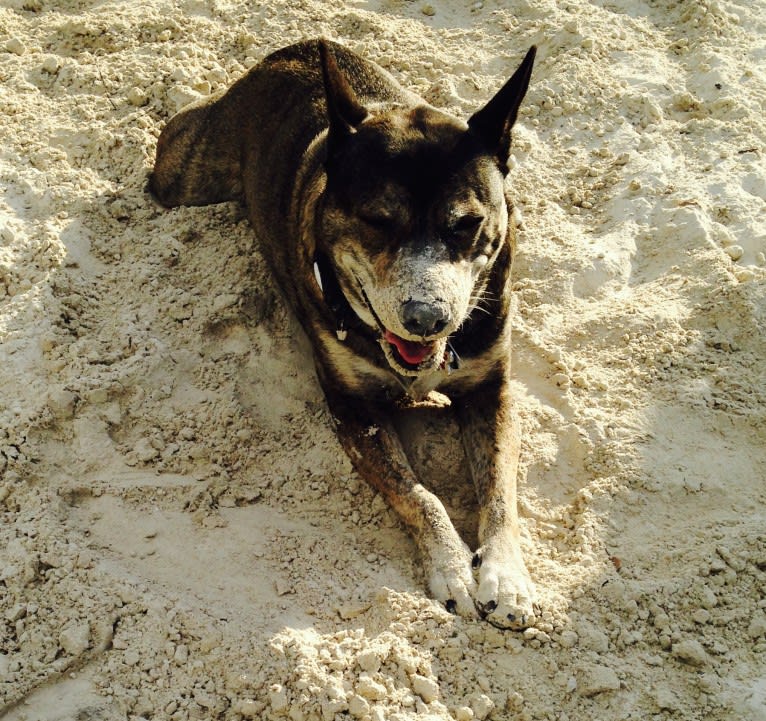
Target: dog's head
414,212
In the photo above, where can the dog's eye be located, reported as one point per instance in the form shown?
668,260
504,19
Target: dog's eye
377,220
465,226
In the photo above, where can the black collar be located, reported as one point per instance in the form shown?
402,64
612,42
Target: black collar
334,297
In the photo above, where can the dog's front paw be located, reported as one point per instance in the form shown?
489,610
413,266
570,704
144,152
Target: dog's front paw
448,570
506,595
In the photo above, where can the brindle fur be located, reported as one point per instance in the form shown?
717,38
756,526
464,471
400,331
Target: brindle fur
331,156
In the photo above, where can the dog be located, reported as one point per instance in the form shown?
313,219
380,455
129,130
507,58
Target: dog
386,223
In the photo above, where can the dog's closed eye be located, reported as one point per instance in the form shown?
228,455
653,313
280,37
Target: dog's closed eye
464,227
378,219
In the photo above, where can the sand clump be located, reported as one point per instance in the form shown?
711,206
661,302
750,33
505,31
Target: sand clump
182,537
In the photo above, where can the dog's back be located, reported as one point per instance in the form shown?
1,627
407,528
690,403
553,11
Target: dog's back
283,100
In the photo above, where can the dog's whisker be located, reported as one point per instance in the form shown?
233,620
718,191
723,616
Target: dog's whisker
479,302
484,294
472,308
487,294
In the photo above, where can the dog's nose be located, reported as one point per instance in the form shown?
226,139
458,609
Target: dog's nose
424,319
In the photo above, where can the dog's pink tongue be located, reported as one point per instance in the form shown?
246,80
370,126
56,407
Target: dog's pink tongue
411,351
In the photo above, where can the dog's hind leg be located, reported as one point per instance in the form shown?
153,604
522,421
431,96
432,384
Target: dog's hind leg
491,437
377,455
199,156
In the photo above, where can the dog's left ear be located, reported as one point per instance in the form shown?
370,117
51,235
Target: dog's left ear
494,121
344,110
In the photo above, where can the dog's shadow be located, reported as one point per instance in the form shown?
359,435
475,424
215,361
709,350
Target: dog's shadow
431,438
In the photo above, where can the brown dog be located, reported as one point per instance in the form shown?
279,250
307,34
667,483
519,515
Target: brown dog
386,224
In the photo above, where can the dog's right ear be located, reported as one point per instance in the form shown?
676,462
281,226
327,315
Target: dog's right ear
344,110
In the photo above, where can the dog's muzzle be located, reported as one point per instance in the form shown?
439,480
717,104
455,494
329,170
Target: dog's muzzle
408,357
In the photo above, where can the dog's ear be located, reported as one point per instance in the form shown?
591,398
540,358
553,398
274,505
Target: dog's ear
493,123
344,110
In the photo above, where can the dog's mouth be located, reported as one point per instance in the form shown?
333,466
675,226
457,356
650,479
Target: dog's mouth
409,353
410,357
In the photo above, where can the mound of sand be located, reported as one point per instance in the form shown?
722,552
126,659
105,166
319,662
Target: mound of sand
182,537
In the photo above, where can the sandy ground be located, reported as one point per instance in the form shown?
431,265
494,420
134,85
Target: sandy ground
182,537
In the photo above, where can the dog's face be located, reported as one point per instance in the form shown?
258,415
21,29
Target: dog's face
413,217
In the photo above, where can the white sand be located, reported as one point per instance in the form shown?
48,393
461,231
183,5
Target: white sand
181,535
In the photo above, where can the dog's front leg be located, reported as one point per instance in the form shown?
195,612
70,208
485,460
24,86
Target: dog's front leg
376,452
491,437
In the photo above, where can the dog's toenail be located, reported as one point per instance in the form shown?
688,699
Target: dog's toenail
511,617
476,562
451,606
491,606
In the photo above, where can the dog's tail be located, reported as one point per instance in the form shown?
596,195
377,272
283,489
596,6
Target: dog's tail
198,156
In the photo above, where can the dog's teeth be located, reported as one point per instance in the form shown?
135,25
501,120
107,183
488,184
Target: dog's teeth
342,333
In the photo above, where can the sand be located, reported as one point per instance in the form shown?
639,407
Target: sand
182,536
